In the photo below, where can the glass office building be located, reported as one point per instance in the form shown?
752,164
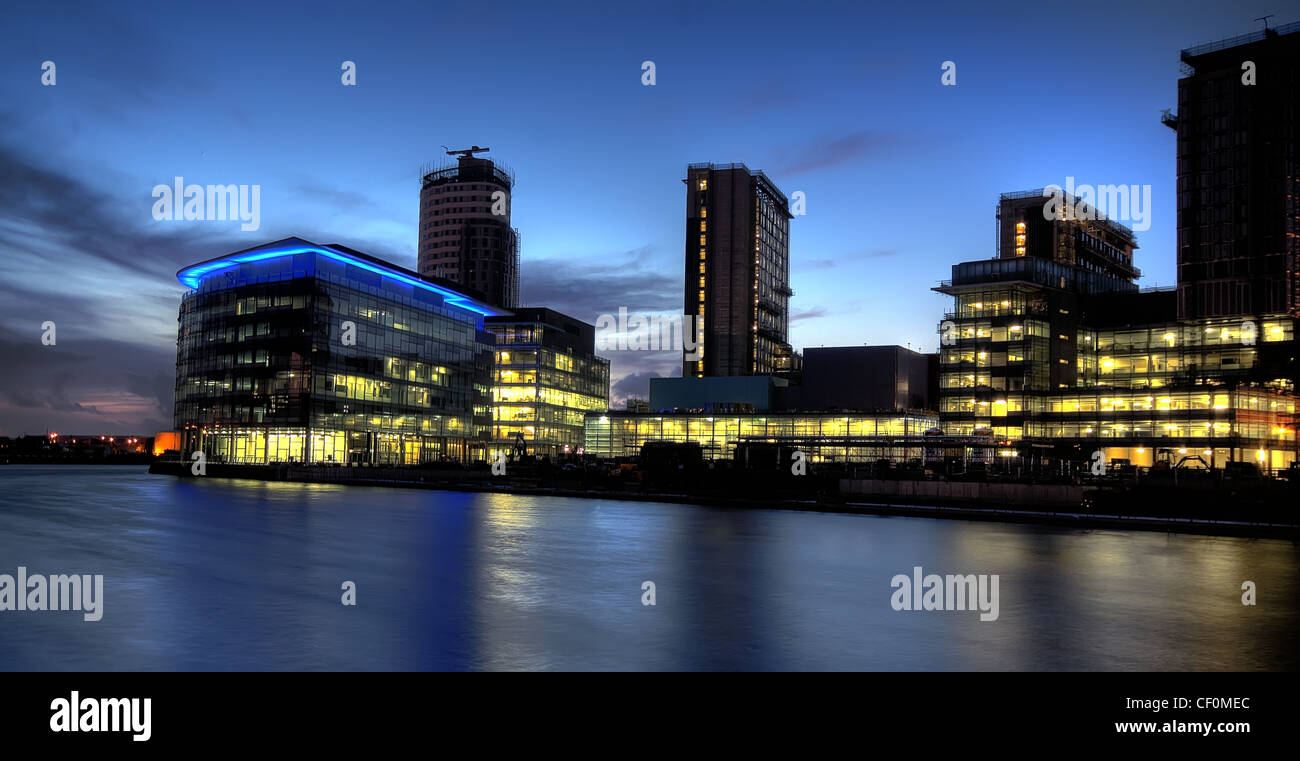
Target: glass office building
298,352
825,437
1062,361
546,378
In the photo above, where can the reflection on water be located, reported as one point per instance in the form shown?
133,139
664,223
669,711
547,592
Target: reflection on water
219,574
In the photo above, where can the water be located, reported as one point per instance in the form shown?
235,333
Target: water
215,574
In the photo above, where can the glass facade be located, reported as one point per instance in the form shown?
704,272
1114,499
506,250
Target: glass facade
826,437
545,381
1023,358
317,354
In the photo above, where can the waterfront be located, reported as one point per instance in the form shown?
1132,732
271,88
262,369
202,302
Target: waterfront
222,574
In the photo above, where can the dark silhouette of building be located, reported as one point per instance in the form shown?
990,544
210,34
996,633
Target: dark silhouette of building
864,378
1238,178
465,232
737,271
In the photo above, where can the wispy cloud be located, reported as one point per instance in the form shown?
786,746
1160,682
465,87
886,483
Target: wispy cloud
809,314
821,264
830,152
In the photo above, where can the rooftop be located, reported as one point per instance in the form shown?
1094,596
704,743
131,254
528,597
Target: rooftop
194,274
1240,39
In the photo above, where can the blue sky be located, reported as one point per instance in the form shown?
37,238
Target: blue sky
842,101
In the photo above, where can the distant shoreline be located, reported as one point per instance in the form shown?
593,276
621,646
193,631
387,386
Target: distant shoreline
465,481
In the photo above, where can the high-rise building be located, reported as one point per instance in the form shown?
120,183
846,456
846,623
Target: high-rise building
737,271
465,232
298,352
1239,176
547,377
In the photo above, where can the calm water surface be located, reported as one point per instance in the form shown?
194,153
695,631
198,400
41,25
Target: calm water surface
216,574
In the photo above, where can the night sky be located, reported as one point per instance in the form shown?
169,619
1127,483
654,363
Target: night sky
841,101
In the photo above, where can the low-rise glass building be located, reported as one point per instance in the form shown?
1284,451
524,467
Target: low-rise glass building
298,352
825,437
546,379
1063,360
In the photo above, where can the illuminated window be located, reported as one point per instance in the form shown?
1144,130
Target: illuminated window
702,185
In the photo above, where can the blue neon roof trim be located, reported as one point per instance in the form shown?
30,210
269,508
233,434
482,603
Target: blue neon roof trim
192,276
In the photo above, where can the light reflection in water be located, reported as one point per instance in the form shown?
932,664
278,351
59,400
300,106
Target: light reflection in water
217,574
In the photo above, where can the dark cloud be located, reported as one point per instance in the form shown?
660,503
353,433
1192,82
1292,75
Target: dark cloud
588,287
45,212
97,264
85,386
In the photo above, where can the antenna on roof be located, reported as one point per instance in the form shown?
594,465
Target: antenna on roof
468,152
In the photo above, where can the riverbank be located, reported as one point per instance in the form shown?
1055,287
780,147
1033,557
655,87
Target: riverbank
908,501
